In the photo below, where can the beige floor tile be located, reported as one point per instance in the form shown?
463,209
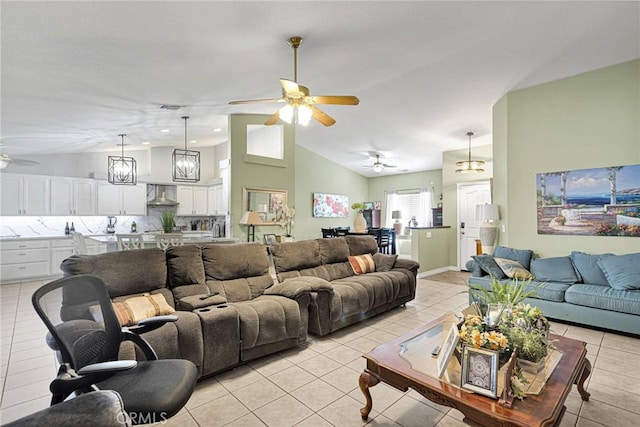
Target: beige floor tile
590,336
343,354
206,391
39,334
630,367
409,412
270,364
33,363
258,394
314,420
448,421
181,419
38,343
382,395
249,420
362,344
298,354
319,365
612,396
30,353
345,412
357,365
608,415
344,379
219,412
380,336
25,393
283,412
614,380
20,410
614,341
239,377
382,421
291,378
317,394
31,376
321,345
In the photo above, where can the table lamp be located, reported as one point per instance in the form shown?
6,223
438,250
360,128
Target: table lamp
397,226
488,231
251,219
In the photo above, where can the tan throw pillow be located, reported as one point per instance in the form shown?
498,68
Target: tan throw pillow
513,269
362,264
133,310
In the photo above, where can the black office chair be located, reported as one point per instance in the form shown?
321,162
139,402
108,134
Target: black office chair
87,339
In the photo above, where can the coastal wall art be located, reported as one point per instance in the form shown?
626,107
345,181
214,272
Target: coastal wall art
330,205
590,202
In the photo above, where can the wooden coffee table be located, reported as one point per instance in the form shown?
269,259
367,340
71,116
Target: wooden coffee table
390,363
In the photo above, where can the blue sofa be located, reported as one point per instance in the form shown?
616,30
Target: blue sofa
594,290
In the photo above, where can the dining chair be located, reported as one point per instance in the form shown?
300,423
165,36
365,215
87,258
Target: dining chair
128,242
79,245
329,232
166,240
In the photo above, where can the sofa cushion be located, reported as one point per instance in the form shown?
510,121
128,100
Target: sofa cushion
523,256
241,289
605,298
384,262
296,255
359,245
185,265
232,261
333,250
362,264
488,264
586,265
513,269
556,269
132,310
550,291
622,271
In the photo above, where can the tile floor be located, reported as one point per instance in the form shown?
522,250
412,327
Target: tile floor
316,384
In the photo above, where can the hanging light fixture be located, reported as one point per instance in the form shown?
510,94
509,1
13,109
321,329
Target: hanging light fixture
470,166
186,163
122,170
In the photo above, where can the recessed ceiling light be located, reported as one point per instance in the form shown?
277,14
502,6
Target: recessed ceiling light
217,130
146,143
165,130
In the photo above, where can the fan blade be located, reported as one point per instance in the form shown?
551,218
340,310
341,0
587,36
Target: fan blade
389,166
273,119
321,116
254,101
290,87
336,100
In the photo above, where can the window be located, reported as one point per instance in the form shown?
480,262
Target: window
410,203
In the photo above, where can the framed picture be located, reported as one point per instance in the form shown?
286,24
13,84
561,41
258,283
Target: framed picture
377,204
270,239
277,201
330,205
447,349
480,371
368,206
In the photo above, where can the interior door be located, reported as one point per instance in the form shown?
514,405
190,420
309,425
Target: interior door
470,195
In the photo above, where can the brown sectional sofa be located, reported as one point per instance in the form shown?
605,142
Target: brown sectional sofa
340,298
230,310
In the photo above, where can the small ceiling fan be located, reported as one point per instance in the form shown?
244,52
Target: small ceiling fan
378,166
300,104
6,160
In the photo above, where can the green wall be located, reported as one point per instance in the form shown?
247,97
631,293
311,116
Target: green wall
591,120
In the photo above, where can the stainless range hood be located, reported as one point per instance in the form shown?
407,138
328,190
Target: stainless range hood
161,200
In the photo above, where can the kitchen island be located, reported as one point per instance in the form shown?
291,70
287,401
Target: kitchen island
149,239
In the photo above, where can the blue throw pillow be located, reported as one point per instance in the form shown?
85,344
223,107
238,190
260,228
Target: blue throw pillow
589,272
488,264
622,271
556,269
523,256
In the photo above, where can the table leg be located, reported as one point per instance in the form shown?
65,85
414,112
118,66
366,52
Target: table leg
586,371
367,380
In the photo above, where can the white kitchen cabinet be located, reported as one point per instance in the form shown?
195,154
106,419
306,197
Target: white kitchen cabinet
216,201
24,195
70,196
192,200
61,249
122,199
20,259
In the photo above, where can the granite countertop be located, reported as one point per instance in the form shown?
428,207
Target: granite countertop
428,228
189,236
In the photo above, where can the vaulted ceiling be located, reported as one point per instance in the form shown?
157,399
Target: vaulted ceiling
77,74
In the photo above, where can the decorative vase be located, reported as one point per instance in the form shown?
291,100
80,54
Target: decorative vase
360,224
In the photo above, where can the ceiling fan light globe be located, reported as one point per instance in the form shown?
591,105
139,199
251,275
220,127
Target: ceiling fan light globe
286,113
378,167
4,161
304,115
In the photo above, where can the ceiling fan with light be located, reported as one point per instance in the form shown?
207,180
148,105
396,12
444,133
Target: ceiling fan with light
378,166
6,160
300,104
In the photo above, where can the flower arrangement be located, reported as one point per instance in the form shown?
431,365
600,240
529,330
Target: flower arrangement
284,217
358,206
473,332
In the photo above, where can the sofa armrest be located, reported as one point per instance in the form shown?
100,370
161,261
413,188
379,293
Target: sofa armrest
409,264
195,302
474,268
294,287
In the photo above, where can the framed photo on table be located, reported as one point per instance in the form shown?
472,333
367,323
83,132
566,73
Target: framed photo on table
447,349
480,371
270,239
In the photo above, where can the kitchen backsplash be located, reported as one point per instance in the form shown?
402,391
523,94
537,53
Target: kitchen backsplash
46,226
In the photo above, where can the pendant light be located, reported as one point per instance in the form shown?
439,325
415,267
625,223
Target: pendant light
470,166
186,163
122,170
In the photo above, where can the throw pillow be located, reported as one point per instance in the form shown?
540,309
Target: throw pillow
133,310
523,256
362,264
384,262
556,269
513,269
488,264
622,271
587,267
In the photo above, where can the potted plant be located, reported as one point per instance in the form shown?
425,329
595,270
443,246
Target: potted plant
360,224
284,217
167,218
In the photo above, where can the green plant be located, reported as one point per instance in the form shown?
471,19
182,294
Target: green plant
532,344
358,206
506,292
167,219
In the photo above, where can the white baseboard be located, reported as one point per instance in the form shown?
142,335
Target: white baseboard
425,274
